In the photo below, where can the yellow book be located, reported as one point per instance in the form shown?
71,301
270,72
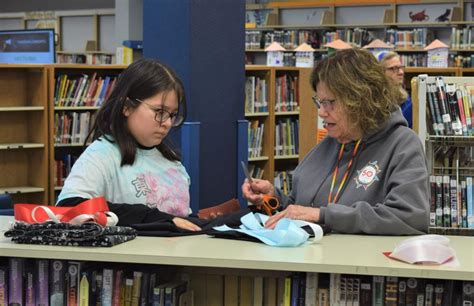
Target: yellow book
287,292
84,291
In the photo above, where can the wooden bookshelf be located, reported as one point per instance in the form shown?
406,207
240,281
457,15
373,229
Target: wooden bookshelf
60,149
306,114
24,133
375,17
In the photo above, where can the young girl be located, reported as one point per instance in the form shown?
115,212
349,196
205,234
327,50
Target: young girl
129,160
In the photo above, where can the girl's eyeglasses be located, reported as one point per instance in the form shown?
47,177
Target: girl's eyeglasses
161,114
327,104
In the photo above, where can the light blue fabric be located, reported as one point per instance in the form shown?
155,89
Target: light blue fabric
287,232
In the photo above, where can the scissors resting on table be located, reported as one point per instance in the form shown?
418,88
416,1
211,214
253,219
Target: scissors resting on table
270,203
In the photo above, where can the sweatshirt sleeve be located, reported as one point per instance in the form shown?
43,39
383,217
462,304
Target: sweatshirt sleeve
405,208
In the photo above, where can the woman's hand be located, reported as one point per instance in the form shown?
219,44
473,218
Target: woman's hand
185,224
253,192
296,212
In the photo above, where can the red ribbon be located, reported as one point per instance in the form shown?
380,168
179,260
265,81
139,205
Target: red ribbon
95,208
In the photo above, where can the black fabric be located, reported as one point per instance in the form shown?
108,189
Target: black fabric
127,213
151,222
87,234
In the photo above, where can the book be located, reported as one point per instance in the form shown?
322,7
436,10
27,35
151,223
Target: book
366,284
42,282
58,282
378,291
72,282
3,285
231,290
391,291
107,286
311,292
15,282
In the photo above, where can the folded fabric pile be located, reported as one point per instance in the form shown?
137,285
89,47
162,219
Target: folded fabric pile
86,234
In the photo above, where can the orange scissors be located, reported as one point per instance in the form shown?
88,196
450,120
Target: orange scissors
270,203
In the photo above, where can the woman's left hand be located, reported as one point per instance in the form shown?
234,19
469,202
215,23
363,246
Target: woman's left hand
185,224
296,212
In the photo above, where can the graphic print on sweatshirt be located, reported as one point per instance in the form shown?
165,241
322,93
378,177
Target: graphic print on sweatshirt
168,192
367,175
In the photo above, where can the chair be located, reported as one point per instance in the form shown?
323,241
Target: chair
6,205
219,210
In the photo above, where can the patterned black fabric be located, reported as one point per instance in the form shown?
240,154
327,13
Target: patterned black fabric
87,234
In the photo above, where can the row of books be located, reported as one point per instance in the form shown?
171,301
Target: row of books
323,289
450,108
72,127
286,137
255,171
62,168
32,282
452,203
256,94
255,138
409,39
355,37
462,38
82,90
287,93
290,39
81,58
283,180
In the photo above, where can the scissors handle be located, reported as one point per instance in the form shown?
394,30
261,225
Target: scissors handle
270,204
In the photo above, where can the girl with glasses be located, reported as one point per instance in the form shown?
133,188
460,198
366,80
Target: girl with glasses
369,175
130,161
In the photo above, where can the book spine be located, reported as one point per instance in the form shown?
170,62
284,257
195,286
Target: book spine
107,286
378,290
58,282
433,200
391,291
446,202
454,203
15,285
3,286
42,285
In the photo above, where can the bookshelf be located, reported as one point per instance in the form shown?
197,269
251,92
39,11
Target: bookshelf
72,112
212,262
448,146
358,22
282,102
24,132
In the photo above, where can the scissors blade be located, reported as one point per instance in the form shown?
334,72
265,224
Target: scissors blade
246,172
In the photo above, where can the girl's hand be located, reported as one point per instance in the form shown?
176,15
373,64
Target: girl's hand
253,192
296,212
185,224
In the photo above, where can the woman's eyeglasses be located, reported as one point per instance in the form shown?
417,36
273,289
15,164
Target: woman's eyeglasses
327,104
395,69
161,114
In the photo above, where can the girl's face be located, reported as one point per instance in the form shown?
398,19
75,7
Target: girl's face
335,119
144,121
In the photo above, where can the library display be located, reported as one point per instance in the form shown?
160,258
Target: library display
445,127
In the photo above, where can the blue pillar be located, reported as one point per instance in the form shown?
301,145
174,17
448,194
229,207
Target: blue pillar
242,155
204,42
190,152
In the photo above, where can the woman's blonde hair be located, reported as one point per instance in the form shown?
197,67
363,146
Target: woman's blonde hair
383,58
359,83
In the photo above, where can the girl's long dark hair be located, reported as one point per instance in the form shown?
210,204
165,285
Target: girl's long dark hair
141,80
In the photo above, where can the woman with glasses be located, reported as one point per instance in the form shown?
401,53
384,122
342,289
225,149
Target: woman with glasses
369,175
130,160
394,70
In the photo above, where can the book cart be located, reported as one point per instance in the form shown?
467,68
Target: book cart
443,117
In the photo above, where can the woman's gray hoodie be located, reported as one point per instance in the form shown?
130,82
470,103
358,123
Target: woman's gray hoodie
387,191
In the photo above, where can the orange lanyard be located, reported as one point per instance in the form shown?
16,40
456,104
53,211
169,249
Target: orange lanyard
346,173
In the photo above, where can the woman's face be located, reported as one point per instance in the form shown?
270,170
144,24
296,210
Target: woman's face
335,119
141,120
394,70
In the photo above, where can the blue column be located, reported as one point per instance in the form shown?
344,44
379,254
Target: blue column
204,41
242,155
190,151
